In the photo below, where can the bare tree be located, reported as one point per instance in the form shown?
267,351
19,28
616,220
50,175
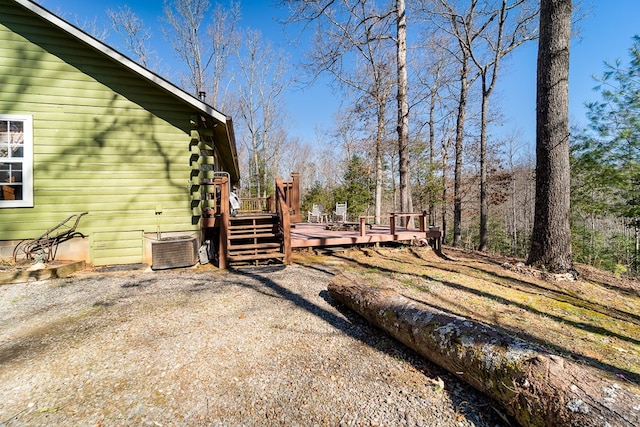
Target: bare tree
511,150
551,238
462,27
185,17
406,202
485,32
446,142
378,86
332,148
131,29
90,25
224,42
506,26
260,88
353,45
434,71
347,132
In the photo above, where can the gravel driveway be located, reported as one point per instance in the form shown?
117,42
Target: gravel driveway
197,347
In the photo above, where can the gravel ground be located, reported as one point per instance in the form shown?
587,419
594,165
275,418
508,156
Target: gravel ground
197,347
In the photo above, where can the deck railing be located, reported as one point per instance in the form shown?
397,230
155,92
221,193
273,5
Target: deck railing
257,204
213,200
432,233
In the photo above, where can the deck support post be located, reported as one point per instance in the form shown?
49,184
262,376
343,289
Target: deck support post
223,244
423,221
283,211
293,198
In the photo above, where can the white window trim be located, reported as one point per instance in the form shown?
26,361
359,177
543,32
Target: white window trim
27,163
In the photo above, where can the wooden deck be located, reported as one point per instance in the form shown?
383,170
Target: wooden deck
248,242
306,235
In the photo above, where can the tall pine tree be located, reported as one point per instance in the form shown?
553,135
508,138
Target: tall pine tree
551,237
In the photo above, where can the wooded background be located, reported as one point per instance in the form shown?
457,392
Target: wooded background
477,183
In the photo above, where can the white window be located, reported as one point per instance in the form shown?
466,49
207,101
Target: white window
16,161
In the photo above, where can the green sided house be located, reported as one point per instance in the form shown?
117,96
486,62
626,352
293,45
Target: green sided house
85,129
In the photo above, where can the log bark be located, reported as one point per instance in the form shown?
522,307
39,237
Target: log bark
533,386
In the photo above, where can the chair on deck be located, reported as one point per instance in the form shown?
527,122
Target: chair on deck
340,214
315,214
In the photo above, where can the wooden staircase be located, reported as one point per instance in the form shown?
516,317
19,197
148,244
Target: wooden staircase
253,238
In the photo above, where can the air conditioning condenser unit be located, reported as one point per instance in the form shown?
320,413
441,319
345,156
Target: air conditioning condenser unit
174,252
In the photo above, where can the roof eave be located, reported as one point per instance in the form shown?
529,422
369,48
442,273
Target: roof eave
232,144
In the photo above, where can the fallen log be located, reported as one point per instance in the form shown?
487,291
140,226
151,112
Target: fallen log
534,386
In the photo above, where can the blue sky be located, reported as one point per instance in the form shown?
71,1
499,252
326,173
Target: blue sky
605,35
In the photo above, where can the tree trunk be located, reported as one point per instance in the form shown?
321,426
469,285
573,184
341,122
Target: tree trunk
378,195
443,177
432,158
514,224
457,178
406,204
484,202
551,239
536,388
636,248
378,161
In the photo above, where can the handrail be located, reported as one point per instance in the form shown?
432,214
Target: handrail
289,193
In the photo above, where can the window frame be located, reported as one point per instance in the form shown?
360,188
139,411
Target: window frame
26,161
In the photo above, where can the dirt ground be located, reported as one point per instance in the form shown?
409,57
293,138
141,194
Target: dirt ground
268,347
594,320
258,346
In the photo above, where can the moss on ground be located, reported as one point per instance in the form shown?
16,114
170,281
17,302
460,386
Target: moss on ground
594,320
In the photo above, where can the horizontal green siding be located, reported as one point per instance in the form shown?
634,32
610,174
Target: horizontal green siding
162,157
74,193
106,141
104,220
117,248
42,93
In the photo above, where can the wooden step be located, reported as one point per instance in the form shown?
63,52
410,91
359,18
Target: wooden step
255,257
254,249
242,217
256,235
252,223
266,245
252,227
274,252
